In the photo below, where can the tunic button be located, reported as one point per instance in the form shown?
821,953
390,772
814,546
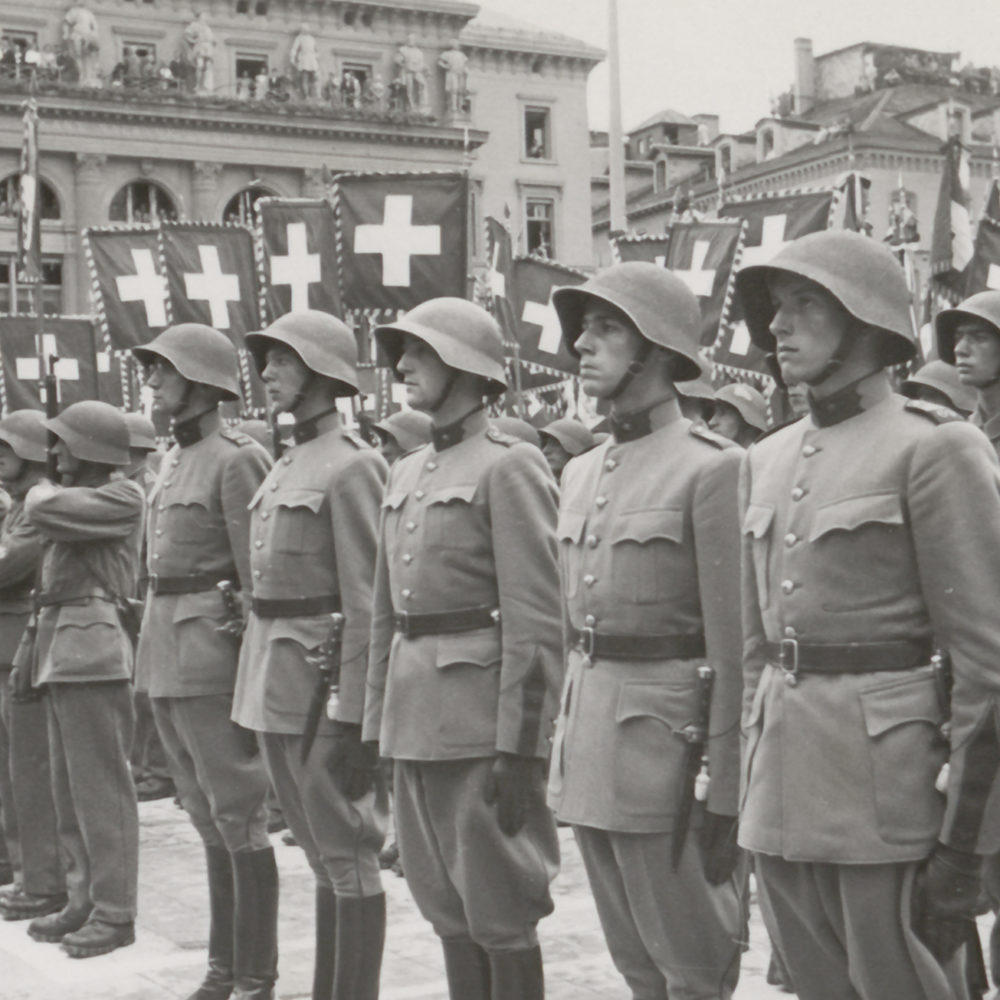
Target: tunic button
592,541
787,586
407,558
431,466
790,539
610,465
407,593
158,532
809,450
798,493
420,494
601,501
156,555
590,621
166,482
789,632
256,574
175,463
258,544
161,508
411,526
287,460
274,486
264,515
590,579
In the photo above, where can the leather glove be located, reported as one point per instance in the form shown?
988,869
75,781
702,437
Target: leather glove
512,783
352,762
946,899
720,853
247,739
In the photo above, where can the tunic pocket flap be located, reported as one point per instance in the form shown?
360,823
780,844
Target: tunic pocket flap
313,499
899,703
853,512
570,527
393,501
671,704
310,633
203,604
195,495
463,492
480,648
647,525
757,520
87,615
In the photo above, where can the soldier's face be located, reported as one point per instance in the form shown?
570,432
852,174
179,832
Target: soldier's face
284,375
167,386
10,465
608,343
389,449
809,325
425,376
726,421
66,464
556,455
977,353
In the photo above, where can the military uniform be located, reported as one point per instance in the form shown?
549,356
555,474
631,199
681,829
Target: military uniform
467,529
649,547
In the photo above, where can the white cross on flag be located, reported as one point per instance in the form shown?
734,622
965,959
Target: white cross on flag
539,333
403,238
128,286
211,276
771,223
300,255
499,277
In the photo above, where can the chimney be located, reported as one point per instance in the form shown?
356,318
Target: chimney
708,125
805,76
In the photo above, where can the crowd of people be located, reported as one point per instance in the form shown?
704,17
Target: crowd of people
707,645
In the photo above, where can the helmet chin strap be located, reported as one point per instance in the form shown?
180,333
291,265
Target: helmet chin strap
299,398
449,385
635,366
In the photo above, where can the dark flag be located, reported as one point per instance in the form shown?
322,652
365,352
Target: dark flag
403,238
500,276
983,272
29,227
951,242
299,240
991,210
539,333
127,284
650,248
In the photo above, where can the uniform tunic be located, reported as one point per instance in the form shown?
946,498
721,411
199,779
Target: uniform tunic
469,525
649,545
313,534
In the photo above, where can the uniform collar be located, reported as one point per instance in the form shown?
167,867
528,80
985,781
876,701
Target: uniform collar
448,435
849,401
989,423
640,423
191,431
307,430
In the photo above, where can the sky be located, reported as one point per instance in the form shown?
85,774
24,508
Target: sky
728,58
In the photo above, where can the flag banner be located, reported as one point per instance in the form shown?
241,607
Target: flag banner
991,210
951,241
499,277
769,223
128,288
402,238
298,240
84,370
983,272
211,276
651,248
29,202
854,201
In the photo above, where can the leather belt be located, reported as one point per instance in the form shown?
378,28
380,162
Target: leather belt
295,607
51,598
606,645
412,626
796,657
191,583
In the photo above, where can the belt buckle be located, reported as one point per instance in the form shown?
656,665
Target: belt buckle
403,623
587,640
788,660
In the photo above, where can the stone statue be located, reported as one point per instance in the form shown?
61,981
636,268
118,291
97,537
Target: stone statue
200,41
305,61
376,92
455,64
413,73
82,41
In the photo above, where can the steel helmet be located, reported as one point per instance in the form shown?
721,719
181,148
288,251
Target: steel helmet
697,388
517,428
983,306
862,275
141,432
746,401
657,303
464,336
24,432
93,432
323,343
199,353
408,428
941,377
574,436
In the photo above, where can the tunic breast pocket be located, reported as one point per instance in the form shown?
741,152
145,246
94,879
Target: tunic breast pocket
647,555
570,534
757,523
867,557
296,513
189,520
449,517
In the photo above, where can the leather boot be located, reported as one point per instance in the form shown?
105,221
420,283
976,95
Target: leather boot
53,928
218,981
255,951
360,940
326,943
517,975
21,905
98,937
467,967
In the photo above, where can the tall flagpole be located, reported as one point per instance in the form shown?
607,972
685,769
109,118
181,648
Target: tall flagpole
616,149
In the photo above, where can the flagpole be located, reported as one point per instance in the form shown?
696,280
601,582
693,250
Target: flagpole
616,149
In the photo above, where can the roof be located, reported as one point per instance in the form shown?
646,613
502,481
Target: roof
493,29
665,117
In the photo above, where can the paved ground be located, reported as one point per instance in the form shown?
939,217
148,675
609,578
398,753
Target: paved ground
167,959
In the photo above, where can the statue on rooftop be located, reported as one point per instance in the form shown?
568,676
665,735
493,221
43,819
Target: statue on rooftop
455,64
82,40
304,58
413,73
199,40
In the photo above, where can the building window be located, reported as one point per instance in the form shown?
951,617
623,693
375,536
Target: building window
17,300
9,195
660,175
726,159
539,230
142,201
537,134
240,208
766,144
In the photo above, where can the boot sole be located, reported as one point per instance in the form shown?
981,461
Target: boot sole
15,911
82,951
48,938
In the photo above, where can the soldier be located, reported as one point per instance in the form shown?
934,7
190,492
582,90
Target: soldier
871,534
314,532
402,432
515,427
740,414
562,440
464,666
79,650
938,382
649,555
696,399
198,536
29,818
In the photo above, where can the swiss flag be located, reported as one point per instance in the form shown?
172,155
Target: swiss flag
539,334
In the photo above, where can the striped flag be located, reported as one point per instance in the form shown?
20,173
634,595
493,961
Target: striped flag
29,230
951,243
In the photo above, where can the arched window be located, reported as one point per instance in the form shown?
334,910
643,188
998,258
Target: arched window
726,159
660,175
240,207
766,143
142,201
10,193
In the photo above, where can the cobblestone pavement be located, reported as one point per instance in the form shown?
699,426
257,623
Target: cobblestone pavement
168,957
